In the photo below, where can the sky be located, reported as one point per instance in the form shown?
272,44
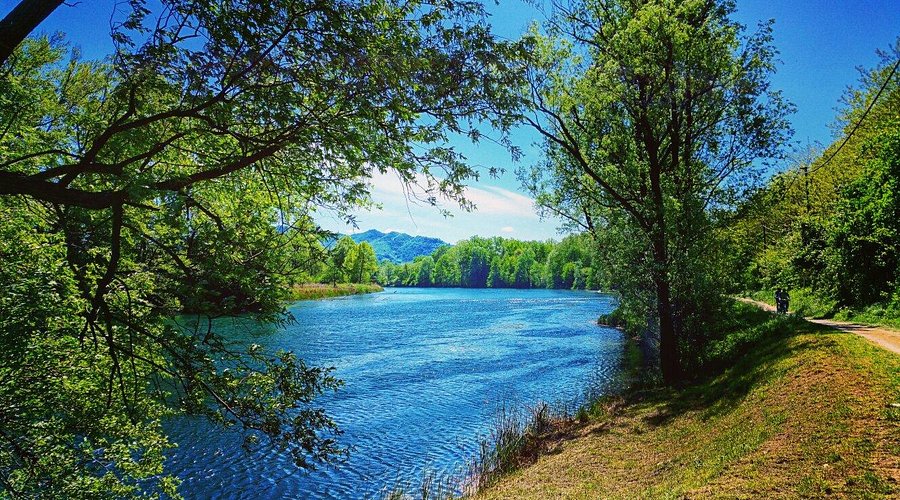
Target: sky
822,44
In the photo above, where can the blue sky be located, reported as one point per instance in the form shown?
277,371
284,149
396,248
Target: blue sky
822,43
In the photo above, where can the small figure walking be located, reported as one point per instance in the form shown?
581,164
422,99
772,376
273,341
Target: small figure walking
782,299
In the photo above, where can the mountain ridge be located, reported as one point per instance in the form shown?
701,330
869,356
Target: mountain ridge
398,247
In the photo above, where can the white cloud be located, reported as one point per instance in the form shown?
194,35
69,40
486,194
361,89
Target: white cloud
498,201
498,212
488,200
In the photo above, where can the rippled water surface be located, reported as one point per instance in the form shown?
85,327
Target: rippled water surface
426,371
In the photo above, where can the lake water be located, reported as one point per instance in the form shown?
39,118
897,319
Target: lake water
426,372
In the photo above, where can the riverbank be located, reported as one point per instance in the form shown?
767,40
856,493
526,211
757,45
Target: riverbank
802,411
313,291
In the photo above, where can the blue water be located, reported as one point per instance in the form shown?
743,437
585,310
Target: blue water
426,372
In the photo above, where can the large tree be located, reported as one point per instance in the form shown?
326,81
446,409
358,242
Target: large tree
182,173
652,111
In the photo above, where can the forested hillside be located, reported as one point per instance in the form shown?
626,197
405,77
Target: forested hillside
499,263
397,247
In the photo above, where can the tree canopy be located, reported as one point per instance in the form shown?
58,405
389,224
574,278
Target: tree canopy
827,226
181,174
653,115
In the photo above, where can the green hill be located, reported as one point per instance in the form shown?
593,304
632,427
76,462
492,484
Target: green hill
398,247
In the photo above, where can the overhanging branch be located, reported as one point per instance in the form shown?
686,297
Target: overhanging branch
21,21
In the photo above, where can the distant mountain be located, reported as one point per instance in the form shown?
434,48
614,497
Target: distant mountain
398,247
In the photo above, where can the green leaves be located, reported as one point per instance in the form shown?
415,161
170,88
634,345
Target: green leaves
831,227
182,175
499,263
63,413
654,115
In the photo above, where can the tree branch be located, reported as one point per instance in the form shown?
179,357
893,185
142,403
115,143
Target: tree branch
21,21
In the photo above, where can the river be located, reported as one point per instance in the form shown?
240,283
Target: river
426,372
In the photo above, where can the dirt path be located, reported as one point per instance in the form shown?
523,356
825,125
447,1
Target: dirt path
883,337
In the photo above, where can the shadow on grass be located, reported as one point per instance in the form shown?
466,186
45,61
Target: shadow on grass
747,356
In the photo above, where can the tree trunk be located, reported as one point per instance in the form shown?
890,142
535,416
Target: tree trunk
21,21
668,346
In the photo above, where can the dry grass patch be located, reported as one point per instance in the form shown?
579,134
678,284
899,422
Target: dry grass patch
315,291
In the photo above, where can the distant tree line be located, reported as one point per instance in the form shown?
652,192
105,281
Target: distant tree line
498,263
349,262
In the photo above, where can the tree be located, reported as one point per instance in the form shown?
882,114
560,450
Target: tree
446,269
827,226
387,273
865,232
652,113
562,260
426,270
495,278
474,264
361,263
523,265
338,269
181,174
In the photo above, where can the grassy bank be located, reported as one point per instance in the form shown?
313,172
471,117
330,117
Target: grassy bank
806,303
800,411
312,291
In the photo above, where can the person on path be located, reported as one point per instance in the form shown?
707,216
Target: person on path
785,301
778,299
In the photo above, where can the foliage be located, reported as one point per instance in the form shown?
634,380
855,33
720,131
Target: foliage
181,174
499,263
349,262
829,229
361,263
44,368
655,115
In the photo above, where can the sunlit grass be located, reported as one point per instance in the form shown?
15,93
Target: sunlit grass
797,410
314,291
805,303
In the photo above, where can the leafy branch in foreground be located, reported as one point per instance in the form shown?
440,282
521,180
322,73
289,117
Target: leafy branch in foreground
182,173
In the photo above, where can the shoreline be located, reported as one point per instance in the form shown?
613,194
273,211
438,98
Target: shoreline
741,431
318,291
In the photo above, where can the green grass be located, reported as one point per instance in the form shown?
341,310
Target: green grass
315,291
878,314
795,410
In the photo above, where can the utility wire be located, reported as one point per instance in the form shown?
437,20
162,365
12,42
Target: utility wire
863,117
855,127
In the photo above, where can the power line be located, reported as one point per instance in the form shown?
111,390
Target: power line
863,117
846,139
